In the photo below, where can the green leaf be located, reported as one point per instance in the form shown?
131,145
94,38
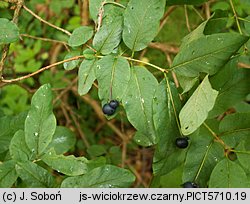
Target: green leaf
108,37
202,157
63,140
173,159
102,177
8,126
8,174
96,150
9,32
40,123
34,176
68,165
166,106
71,64
89,54
113,74
236,122
207,54
233,86
182,2
86,76
195,111
137,102
247,25
19,150
80,36
234,128
228,174
111,11
172,179
243,154
187,83
94,6
141,22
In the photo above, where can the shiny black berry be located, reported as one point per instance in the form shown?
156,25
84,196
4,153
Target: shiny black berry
108,110
182,142
190,185
114,104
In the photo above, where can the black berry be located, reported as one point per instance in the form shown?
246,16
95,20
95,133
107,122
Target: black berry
190,185
114,104
181,142
108,110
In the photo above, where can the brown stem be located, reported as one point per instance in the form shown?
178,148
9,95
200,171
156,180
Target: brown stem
40,70
85,12
187,18
165,17
5,50
46,22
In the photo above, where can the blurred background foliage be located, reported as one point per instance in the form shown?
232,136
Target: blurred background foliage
82,115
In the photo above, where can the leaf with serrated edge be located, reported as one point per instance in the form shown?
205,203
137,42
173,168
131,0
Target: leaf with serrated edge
195,111
141,22
86,76
137,102
113,74
40,123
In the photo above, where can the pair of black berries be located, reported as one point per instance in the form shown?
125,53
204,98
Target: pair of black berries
109,108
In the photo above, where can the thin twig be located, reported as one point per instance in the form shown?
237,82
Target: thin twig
243,65
46,22
143,62
40,70
5,50
236,17
44,39
166,48
138,175
69,87
216,137
166,16
79,129
85,12
198,13
207,10
187,18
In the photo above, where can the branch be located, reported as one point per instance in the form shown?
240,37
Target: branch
236,17
5,50
44,39
40,70
46,22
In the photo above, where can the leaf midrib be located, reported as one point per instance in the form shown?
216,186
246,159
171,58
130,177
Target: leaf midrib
139,27
200,57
